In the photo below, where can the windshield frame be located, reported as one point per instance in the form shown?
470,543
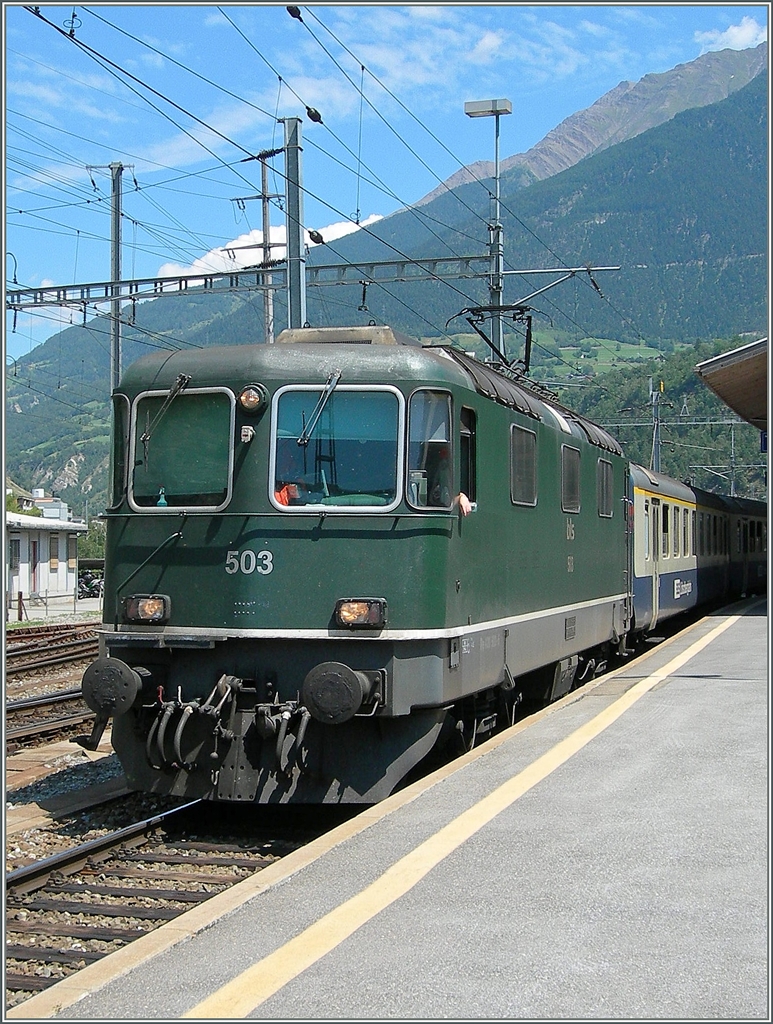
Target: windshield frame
135,440
318,508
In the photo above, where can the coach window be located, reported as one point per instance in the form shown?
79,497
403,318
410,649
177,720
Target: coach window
604,488
646,531
523,466
694,522
675,537
665,516
685,532
570,479
430,466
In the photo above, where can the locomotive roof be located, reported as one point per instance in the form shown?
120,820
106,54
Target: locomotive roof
310,354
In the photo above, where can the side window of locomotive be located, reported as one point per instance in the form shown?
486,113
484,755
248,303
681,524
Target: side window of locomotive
430,466
467,453
183,449
665,518
604,488
523,466
570,479
338,449
119,450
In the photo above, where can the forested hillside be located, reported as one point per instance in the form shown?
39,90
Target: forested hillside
682,209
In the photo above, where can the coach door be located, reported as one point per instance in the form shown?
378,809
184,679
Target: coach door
655,548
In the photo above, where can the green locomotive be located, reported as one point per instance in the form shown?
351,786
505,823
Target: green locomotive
328,556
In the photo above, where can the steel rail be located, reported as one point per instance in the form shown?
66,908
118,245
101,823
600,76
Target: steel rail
34,875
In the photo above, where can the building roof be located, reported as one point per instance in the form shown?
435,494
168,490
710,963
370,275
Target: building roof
740,379
18,521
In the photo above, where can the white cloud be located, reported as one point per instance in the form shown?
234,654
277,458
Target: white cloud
737,37
488,47
247,249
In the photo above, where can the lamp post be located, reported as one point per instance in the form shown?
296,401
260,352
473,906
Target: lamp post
495,109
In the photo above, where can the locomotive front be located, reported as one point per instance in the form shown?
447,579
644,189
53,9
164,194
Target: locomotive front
275,577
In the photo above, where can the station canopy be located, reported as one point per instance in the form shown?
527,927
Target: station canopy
740,379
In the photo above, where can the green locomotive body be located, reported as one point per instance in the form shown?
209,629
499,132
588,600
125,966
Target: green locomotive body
298,604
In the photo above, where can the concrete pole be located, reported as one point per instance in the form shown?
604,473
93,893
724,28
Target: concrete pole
116,170
296,255
268,294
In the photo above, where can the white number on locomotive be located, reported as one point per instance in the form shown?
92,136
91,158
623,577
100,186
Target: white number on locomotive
248,561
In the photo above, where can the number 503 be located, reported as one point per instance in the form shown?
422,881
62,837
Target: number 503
249,562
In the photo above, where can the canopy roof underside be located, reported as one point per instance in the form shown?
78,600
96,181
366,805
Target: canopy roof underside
740,379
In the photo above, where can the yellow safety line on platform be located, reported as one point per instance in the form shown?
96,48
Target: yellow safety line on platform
258,983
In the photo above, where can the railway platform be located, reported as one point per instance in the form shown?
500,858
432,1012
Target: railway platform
605,859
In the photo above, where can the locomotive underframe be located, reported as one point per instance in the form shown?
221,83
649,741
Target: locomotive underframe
224,718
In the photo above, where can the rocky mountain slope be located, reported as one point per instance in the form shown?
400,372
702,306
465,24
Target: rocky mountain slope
623,113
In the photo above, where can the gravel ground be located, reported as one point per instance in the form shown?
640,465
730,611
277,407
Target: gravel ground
70,775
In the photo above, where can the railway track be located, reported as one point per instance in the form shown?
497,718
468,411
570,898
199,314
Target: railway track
79,906
43,718
32,651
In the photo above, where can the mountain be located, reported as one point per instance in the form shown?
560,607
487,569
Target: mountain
623,113
682,208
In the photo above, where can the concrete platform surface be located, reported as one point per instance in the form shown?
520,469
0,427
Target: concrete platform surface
607,859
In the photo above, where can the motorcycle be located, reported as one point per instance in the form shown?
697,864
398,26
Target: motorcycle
90,585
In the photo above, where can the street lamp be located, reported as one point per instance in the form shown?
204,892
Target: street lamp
495,109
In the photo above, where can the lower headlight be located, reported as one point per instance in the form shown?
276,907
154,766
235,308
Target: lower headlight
146,608
368,612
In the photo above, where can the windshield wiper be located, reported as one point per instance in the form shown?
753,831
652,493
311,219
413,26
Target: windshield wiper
182,382
308,429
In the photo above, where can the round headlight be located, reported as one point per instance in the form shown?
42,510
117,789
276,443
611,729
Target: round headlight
253,397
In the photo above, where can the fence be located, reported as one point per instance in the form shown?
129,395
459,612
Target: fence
42,605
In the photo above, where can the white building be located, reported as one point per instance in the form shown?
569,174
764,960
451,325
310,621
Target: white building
41,557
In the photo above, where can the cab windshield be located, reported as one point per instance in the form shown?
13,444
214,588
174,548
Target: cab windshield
182,450
351,456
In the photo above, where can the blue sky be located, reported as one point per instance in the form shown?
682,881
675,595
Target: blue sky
222,76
